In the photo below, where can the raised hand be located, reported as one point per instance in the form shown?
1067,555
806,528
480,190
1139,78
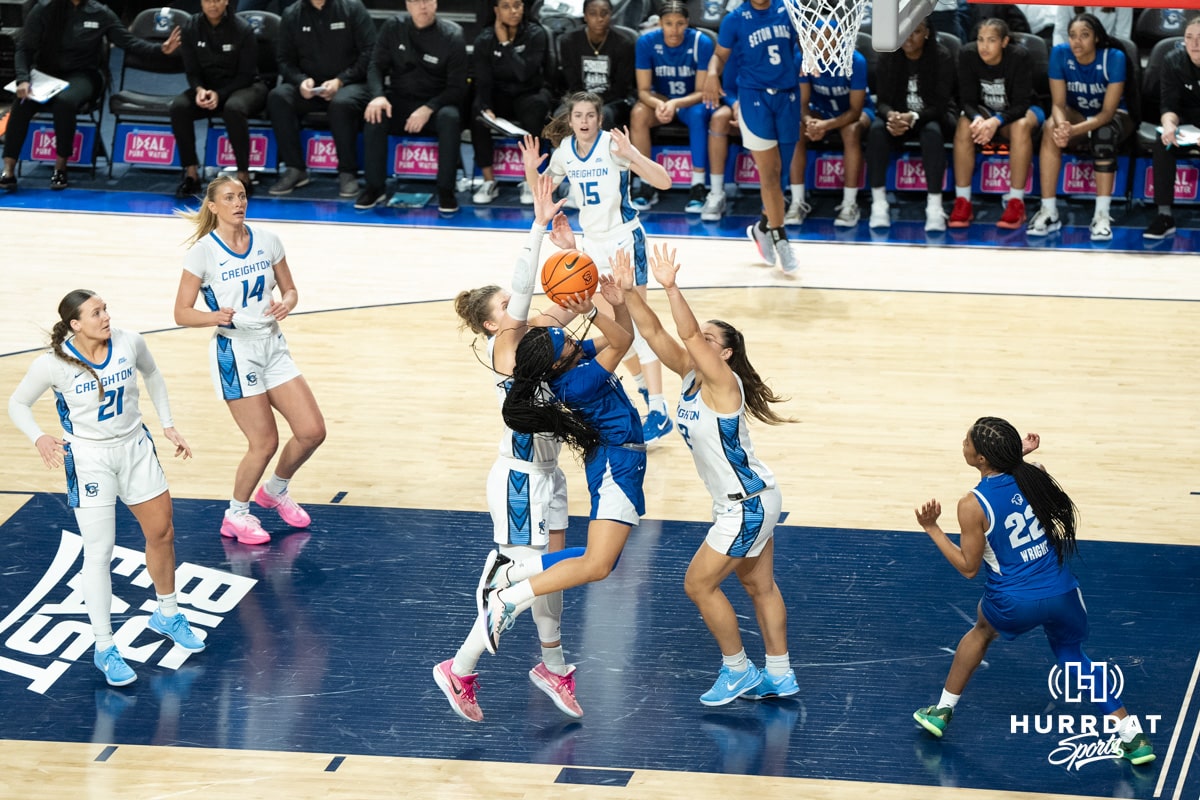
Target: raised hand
561,235
544,206
531,157
622,269
928,513
662,263
611,291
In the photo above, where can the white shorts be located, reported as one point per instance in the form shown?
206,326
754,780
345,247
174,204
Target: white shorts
742,530
526,504
633,241
98,474
249,366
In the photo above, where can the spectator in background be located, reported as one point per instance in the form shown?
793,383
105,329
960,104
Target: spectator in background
425,59
1180,105
835,108
1117,21
916,101
508,66
600,60
64,38
220,58
324,49
951,16
721,125
995,86
668,60
1087,86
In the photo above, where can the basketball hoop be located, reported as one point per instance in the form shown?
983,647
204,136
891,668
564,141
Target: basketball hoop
828,33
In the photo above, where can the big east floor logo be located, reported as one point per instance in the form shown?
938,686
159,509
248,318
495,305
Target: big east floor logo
1086,738
48,630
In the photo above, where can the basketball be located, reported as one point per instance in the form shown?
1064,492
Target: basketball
567,273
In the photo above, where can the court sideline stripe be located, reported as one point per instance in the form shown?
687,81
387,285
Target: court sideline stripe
1188,760
1187,701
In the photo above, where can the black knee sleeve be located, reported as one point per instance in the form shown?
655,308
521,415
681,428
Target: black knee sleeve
1103,143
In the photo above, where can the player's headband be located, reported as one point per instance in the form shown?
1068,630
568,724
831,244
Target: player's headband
558,339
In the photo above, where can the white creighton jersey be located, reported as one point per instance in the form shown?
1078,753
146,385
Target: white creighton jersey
539,449
599,183
84,414
241,281
721,447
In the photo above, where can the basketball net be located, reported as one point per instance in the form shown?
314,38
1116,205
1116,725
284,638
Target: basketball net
828,33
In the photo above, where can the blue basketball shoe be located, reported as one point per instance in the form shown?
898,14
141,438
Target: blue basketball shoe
774,686
176,629
115,670
731,685
656,426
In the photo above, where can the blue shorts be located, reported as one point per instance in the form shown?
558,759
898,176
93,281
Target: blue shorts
1063,618
771,115
615,476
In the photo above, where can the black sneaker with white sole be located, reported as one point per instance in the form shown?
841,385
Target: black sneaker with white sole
369,198
1160,227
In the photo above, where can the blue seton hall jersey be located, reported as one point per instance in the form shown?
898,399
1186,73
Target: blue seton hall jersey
1020,561
241,281
721,447
763,41
1087,83
537,449
830,94
600,184
674,69
596,395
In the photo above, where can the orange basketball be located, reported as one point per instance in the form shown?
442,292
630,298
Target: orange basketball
569,272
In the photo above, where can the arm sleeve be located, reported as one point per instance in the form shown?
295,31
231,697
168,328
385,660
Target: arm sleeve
156,385
523,283
20,405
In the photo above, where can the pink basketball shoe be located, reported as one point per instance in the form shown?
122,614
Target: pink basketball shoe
459,690
289,511
559,688
245,528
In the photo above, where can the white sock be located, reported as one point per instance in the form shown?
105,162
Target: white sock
238,507
849,195
879,196
1016,194
963,191
933,200
717,183
640,380
104,641
1050,204
552,657
778,665
1103,204
168,604
1128,727
698,177
736,662
948,700
469,652
797,193
658,403
1164,210
519,594
277,485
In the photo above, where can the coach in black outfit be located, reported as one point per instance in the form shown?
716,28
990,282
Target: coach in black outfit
220,58
324,49
63,38
425,61
1180,105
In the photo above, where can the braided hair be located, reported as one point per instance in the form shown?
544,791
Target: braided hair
68,310
998,441
759,396
674,7
529,407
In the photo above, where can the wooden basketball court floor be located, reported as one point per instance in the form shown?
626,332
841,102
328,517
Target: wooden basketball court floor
316,682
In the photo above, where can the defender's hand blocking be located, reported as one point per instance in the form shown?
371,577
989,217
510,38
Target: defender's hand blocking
622,269
530,157
662,263
544,206
611,291
561,235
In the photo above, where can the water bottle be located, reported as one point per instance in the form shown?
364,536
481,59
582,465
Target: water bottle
162,20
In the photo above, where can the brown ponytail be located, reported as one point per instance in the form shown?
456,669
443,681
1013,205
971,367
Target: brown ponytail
68,310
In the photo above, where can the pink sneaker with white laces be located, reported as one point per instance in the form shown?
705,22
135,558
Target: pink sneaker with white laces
245,528
459,690
289,511
559,688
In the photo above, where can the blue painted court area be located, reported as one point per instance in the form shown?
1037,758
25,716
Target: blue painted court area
324,641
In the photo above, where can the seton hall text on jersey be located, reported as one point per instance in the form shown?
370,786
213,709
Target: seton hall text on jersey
107,380
245,269
1082,87
672,71
773,32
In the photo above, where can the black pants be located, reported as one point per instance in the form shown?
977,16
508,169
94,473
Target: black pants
445,124
286,108
1164,169
236,110
881,144
530,111
65,106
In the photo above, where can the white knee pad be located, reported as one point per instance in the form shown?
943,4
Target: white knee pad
547,615
98,527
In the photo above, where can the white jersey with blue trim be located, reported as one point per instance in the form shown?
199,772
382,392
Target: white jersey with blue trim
599,183
721,446
83,413
241,281
540,450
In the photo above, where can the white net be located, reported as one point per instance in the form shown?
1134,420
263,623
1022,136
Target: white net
828,32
